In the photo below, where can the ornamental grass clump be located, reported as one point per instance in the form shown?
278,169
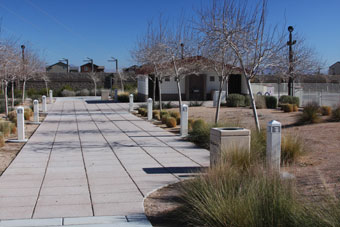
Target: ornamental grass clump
292,147
336,114
310,114
5,128
239,192
171,122
164,118
28,113
326,110
2,139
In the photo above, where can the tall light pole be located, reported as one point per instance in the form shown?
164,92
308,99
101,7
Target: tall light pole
290,43
23,62
90,60
117,72
65,60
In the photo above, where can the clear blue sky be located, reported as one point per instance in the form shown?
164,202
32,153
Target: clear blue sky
99,29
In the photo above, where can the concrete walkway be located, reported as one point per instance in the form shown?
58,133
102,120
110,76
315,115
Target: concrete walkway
92,159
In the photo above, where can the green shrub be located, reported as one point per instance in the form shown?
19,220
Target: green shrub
168,105
12,116
171,122
271,102
124,97
336,114
28,113
154,113
195,103
67,87
284,99
291,148
247,100
84,92
175,114
164,118
5,128
130,87
235,100
295,108
260,102
2,139
200,133
142,111
68,93
163,112
287,108
325,110
310,114
190,122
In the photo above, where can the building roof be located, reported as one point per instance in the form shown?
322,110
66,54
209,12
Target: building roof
58,63
336,63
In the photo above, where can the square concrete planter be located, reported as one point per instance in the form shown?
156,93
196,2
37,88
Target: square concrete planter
224,139
105,95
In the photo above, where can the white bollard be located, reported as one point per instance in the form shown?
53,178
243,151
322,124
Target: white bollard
131,102
36,111
116,96
44,106
274,145
51,96
149,109
21,124
184,120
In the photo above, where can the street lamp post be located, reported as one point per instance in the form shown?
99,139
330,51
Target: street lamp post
290,43
114,60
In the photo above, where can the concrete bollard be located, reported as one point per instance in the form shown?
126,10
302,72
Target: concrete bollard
51,96
44,106
21,124
149,109
116,96
184,120
273,145
36,111
131,103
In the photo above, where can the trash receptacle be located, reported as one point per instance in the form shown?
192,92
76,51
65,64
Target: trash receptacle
105,95
226,139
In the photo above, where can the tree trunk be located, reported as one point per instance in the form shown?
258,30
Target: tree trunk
95,89
23,91
253,105
12,94
121,82
6,99
46,88
218,107
154,91
160,94
179,94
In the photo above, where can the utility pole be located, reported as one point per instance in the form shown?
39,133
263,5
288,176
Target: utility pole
290,43
66,60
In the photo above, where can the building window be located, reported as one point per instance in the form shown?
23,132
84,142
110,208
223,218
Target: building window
167,78
212,79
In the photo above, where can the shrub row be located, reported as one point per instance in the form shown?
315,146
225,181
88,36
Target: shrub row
312,111
286,99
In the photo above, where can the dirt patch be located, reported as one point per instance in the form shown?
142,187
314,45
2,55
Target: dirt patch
317,172
10,150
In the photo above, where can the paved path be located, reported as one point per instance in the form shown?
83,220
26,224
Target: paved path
93,159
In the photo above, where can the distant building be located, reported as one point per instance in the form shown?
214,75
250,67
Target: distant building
86,68
334,69
59,67
73,69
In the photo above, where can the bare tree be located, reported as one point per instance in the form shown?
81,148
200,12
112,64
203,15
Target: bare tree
252,40
95,79
221,58
151,51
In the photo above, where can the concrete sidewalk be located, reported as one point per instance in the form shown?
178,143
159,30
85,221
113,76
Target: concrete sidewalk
93,160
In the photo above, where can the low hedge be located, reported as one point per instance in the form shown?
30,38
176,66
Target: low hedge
235,100
271,102
286,99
